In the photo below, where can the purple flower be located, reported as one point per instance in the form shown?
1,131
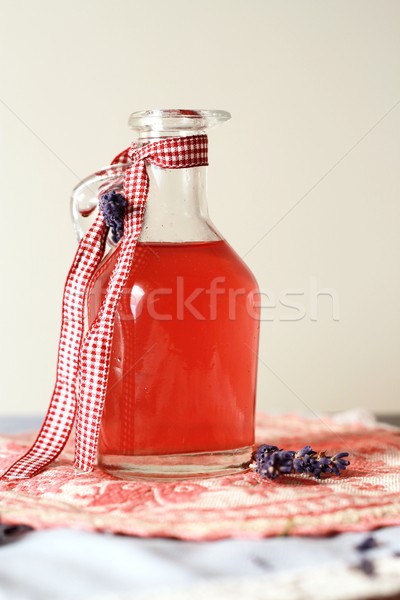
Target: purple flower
308,461
367,544
338,462
265,449
112,206
367,566
304,460
306,451
271,461
9,533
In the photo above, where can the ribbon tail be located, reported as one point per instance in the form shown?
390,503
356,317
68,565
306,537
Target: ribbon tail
60,416
96,348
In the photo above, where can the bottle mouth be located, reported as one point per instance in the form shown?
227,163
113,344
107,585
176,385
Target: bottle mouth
175,122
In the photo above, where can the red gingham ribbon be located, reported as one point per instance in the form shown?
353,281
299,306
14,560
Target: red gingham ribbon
87,357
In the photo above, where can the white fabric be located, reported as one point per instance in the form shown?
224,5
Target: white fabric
66,564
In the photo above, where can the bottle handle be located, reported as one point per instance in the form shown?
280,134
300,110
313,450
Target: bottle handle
85,196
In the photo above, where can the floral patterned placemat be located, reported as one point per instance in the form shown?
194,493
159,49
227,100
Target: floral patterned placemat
366,496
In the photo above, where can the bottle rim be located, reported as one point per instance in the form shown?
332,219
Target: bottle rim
176,120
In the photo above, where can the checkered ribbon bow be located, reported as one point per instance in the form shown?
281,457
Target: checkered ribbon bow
85,358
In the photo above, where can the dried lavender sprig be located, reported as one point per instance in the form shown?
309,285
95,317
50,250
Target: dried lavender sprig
9,533
368,543
367,566
271,461
112,206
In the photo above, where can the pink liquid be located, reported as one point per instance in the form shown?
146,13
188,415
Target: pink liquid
182,376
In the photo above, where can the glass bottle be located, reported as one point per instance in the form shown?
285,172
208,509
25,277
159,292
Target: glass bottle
181,389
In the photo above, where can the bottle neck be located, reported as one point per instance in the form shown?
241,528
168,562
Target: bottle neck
176,208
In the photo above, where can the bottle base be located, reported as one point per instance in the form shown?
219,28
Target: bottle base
177,466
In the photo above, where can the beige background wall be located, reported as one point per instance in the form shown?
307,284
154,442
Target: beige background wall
312,154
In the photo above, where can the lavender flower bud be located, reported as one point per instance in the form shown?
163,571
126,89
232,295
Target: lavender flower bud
338,463
112,206
274,463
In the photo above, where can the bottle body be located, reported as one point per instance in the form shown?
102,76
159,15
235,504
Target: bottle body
180,397
182,377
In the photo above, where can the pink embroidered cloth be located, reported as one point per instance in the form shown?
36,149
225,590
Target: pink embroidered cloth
365,497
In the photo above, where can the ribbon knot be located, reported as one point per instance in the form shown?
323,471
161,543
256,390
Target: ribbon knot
84,358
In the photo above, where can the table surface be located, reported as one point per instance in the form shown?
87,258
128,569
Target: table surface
63,564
